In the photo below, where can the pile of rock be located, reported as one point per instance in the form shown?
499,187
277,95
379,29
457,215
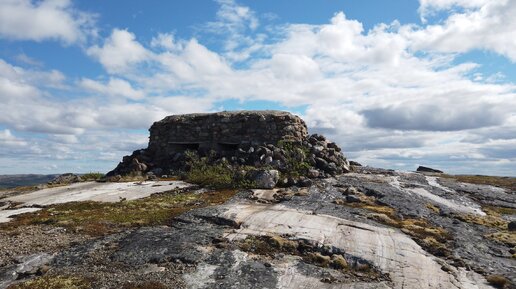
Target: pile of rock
288,155
65,179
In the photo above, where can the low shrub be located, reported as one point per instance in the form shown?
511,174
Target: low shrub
92,176
218,175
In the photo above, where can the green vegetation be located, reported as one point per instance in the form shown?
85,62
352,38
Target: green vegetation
92,176
296,156
221,175
95,218
53,282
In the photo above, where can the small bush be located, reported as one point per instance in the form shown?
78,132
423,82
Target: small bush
217,175
296,155
92,176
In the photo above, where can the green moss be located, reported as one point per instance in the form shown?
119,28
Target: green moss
296,159
53,282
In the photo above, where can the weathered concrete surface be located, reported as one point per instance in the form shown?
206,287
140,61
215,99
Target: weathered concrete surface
93,191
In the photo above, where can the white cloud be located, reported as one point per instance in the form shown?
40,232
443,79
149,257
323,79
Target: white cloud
371,91
166,41
234,17
486,25
430,7
115,87
42,20
24,58
7,139
119,52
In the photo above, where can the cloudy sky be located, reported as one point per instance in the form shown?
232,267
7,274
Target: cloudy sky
396,83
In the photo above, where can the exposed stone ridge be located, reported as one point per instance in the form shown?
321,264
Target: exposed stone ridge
240,138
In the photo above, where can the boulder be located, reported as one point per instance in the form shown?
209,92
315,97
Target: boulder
428,170
65,179
511,226
352,199
263,179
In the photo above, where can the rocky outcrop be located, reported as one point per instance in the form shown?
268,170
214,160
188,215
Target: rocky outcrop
65,179
261,139
428,170
401,231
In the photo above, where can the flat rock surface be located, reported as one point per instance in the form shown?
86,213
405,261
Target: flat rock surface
6,215
401,230
94,191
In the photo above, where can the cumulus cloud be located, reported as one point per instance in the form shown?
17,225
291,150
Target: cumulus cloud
42,20
371,91
484,25
119,52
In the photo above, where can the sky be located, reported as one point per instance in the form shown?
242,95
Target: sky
397,83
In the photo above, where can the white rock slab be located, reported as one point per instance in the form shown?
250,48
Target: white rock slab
393,252
93,191
5,215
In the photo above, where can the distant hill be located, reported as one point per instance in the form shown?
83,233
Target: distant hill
11,181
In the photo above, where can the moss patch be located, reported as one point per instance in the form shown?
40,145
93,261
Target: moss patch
311,254
95,218
54,282
492,218
507,238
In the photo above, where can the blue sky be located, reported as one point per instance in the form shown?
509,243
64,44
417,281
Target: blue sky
396,83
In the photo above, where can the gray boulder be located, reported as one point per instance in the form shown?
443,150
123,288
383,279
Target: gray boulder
511,226
263,179
428,170
65,179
